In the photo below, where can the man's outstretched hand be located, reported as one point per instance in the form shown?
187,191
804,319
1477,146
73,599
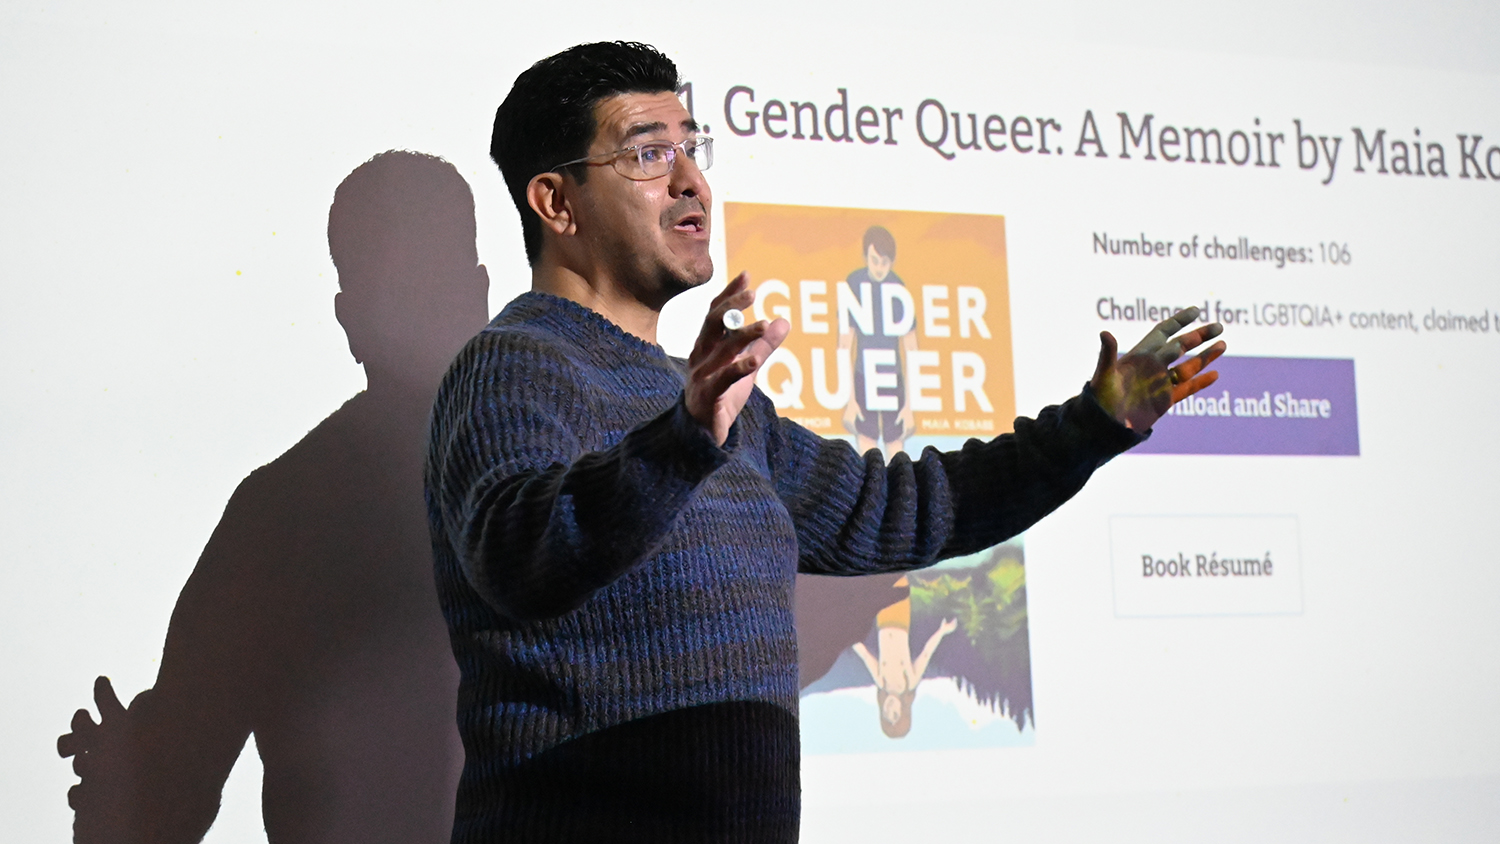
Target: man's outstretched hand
102,757
87,738
1137,389
722,367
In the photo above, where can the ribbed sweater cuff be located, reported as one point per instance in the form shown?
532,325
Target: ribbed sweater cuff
681,447
1105,437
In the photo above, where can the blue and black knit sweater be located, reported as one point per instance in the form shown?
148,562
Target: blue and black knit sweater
618,588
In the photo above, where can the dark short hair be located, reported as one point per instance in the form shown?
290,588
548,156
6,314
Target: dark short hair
883,241
548,116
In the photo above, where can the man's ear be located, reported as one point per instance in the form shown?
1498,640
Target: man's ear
547,194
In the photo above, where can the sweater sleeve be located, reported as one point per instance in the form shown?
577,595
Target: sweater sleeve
536,522
859,515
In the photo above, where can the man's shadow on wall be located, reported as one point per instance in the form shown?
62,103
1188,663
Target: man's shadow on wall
311,619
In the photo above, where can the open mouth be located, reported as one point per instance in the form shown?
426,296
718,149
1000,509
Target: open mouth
687,216
693,223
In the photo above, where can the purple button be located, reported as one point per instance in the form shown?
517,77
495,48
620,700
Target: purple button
1265,406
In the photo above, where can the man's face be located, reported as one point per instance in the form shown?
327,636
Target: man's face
649,236
878,265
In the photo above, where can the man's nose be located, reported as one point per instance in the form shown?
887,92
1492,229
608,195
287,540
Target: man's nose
686,179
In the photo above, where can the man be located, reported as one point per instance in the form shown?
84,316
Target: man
311,619
878,419
616,532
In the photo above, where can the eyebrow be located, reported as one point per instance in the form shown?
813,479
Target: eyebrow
689,125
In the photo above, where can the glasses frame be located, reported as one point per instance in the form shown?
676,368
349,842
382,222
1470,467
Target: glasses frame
703,142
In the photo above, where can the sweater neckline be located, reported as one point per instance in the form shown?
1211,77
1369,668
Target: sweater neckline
586,322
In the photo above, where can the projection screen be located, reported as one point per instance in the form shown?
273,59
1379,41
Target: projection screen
1273,621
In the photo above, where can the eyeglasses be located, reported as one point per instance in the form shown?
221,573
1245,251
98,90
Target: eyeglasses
652,160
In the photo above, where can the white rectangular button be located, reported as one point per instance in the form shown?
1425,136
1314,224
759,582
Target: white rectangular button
1205,565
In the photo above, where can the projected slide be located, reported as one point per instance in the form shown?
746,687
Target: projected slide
241,246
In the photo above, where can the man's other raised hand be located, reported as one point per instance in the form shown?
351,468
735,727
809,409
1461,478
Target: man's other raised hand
1139,387
722,366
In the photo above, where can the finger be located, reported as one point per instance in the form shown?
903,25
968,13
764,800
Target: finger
713,320
776,332
727,376
1203,358
735,343
1212,353
1189,368
106,699
1186,370
69,744
755,354
1168,352
1192,340
1178,321
741,301
724,348
83,724
1184,373
716,380
737,294
769,340
1187,388
1164,329
735,285
1108,348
